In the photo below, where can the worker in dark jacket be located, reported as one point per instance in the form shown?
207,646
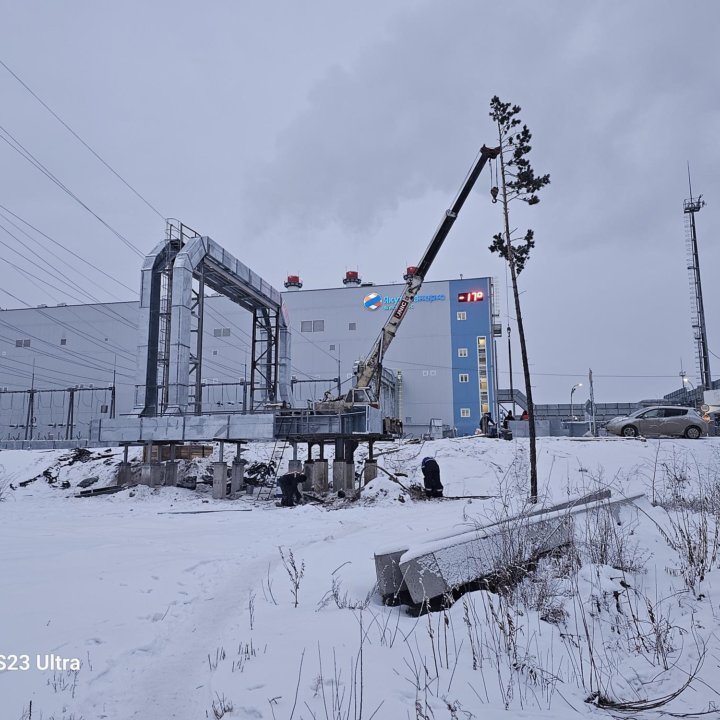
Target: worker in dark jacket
431,477
289,488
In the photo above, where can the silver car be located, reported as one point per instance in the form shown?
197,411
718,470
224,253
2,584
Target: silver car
671,420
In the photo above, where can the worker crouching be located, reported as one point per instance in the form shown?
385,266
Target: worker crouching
289,486
431,477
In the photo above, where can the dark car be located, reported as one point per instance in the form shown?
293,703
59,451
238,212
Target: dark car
670,420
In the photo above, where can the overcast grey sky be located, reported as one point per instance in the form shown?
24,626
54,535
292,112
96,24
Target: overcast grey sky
322,136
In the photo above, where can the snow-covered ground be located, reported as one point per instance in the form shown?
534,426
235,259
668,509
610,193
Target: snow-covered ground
255,611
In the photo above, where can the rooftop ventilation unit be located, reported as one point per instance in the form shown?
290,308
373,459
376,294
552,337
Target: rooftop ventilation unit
293,282
352,277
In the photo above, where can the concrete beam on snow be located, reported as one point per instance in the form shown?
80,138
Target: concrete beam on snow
465,554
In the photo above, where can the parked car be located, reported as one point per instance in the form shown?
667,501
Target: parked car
670,420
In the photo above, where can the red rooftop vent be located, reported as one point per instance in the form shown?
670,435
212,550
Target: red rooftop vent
352,277
293,281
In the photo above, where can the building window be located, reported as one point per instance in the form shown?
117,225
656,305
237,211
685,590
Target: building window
226,332
462,352
425,373
433,373
408,419
352,326
465,412
217,332
483,372
25,342
332,347
463,378
214,352
18,343
462,315
312,325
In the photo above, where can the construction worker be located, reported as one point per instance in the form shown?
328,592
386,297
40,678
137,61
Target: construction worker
289,487
431,477
487,425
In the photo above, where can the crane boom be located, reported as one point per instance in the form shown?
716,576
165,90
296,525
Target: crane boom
370,369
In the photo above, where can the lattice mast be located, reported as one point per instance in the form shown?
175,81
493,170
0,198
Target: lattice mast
697,311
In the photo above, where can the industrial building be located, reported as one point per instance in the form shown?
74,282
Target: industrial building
62,367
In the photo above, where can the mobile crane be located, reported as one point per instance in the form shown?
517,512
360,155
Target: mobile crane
368,372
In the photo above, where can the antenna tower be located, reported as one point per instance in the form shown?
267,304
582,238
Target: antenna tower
697,311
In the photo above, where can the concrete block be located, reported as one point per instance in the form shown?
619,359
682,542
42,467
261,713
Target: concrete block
320,476
219,487
309,470
388,572
171,473
237,475
125,475
338,475
370,471
152,474
349,475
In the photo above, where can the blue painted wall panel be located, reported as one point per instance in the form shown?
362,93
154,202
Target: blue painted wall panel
470,392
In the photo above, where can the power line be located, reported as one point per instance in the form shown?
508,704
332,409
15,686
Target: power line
63,247
52,273
74,378
25,153
77,137
98,307
76,358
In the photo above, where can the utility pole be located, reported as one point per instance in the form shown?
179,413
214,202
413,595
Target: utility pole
30,419
593,425
512,390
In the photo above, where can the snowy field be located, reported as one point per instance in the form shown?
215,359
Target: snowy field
256,611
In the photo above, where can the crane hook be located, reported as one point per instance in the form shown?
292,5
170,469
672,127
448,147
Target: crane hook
494,193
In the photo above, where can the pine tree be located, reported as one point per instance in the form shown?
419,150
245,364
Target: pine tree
518,181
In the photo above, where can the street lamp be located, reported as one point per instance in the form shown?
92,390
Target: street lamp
689,395
572,392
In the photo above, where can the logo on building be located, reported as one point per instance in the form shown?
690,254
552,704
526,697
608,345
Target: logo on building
372,301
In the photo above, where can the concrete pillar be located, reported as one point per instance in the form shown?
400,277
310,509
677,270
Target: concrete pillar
349,475
338,475
237,475
171,472
295,466
370,471
320,476
219,488
145,470
124,474
152,474
309,470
